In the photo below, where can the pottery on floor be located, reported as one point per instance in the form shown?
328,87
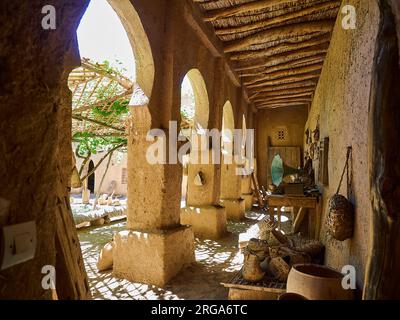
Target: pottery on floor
316,282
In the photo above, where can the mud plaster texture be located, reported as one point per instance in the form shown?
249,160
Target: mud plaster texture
208,222
216,261
35,124
341,103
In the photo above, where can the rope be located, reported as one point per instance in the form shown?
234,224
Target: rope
349,175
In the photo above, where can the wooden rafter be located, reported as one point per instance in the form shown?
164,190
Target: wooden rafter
102,124
286,80
279,33
281,105
243,8
284,74
279,19
282,48
264,97
285,66
94,108
284,58
277,46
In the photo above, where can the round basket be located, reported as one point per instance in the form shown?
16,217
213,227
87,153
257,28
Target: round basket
340,220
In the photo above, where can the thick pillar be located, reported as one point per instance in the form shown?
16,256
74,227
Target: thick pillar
202,211
231,192
156,246
247,192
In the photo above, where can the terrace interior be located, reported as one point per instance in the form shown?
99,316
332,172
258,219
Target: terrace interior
98,186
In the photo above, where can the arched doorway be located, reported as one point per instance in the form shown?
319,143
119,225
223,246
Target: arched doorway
103,116
194,116
228,126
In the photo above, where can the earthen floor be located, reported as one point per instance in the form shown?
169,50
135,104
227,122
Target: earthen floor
216,262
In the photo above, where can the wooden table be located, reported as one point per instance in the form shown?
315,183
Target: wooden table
301,206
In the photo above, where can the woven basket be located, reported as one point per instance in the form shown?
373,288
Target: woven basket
340,220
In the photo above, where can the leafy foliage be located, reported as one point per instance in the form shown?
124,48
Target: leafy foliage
117,107
89,143
107,105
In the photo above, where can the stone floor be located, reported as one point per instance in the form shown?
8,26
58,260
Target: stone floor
216,262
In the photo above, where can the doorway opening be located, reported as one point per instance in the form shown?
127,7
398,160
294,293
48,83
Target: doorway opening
91,179
194,117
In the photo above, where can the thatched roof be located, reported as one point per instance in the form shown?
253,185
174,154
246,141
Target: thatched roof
277,47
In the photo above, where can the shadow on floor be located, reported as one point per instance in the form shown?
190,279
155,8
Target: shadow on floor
216,262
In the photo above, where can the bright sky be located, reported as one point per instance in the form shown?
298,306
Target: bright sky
101,36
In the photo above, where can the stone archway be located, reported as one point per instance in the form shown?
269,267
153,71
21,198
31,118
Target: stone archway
200,97
145,69
208,220
231,189
71,277
228,123
194,116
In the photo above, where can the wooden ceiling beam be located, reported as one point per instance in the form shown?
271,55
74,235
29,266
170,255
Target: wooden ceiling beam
283,92
281,67
281,105
288,95
285,66
285,86
282,101
285,58
282,48
285,73
281,32
282,81
317,8
285,102
216,14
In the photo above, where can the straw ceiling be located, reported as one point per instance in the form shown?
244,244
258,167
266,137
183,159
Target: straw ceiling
277,47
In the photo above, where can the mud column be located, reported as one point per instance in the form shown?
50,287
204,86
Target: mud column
231,192
247,192
202,211
155,247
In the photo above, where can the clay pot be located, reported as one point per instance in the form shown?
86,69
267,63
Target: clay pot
251,269
279,268
317,282
258,246
291,296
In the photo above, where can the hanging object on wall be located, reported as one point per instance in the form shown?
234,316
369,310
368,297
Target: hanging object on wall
323,176
340,220
307,133
316,132
314,151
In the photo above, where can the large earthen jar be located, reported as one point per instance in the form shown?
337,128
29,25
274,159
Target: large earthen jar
316,282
